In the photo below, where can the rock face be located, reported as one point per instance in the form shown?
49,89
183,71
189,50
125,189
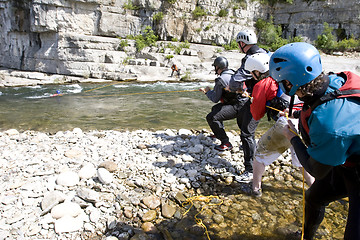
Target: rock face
81,38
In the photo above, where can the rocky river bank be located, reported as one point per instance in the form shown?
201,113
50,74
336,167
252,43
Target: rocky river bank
139,185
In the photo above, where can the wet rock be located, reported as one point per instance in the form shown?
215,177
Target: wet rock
149,227
167,210
149,216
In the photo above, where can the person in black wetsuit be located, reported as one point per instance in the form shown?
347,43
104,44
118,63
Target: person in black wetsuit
227,104
330,127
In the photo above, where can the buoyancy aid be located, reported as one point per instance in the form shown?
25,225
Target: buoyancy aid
280,102
224,78
350,89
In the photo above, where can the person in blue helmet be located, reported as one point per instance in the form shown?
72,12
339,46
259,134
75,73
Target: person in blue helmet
227,104
330,127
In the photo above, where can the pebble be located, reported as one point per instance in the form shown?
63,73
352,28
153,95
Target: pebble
68,179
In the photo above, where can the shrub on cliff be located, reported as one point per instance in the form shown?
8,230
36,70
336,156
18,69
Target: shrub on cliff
198,12
327,43
269,35
147,38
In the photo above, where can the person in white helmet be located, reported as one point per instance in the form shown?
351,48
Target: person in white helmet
242,81
268,98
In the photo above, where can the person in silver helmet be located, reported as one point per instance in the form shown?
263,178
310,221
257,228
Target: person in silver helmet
226,107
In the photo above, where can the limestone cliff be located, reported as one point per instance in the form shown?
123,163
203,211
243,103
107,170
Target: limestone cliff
79,37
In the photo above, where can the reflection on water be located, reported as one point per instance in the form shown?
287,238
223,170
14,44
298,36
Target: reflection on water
118,106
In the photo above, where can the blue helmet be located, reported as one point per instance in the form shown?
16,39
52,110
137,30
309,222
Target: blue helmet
299,63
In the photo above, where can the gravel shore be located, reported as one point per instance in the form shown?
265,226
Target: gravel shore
135,185
78,185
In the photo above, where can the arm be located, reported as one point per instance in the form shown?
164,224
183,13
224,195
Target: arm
216,94
315,168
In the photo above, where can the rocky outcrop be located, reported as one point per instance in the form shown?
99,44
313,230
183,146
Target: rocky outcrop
81,38
306,18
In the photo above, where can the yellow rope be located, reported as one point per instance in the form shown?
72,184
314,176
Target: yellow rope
303,187
303,202
93,89
206,199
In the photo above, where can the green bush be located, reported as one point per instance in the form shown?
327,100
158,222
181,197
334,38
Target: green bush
171,1
169,57
223,13
129,5
147,38
236,4
269,35
122,45
198,12
185,44
273,2
327,43
158,17
232,46
350,44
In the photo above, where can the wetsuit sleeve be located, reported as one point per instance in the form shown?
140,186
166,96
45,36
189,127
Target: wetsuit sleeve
238,78
215,94
315,168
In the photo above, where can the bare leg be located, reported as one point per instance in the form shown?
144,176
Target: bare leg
258,171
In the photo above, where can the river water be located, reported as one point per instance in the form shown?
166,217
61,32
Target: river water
158,106
116,106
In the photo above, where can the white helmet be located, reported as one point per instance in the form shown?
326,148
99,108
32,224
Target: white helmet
247,36
257,61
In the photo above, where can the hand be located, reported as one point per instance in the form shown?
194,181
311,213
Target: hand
284,113
289,130
245,94
227,88
204,90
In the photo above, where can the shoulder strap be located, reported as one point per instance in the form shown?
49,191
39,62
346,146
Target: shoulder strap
351,88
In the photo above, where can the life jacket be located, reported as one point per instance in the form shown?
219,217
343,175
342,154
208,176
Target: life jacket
279,102
229,98
174,67
350,89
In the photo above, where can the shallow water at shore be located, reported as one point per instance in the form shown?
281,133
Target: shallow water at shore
115,106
